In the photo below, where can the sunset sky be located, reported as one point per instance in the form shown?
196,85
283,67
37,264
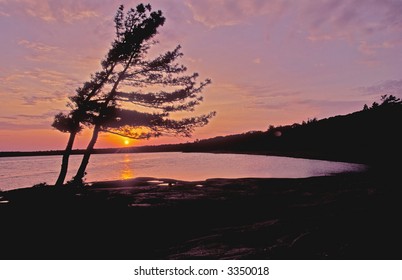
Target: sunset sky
271,62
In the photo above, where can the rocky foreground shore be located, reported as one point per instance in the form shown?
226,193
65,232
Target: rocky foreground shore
347,216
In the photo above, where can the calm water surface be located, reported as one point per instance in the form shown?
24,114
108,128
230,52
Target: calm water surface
19,172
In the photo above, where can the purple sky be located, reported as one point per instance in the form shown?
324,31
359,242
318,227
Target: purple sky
271,62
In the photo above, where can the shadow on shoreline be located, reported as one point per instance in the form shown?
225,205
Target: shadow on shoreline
346,216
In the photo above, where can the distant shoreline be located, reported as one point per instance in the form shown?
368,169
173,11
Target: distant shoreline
142,149
157,149
56,152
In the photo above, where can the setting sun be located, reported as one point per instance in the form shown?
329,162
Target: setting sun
126,142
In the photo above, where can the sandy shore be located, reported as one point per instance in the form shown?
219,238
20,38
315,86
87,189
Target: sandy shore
348,216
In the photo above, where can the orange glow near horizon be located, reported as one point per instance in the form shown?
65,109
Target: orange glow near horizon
114,141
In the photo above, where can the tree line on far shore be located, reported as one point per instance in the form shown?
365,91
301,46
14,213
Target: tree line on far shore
372,135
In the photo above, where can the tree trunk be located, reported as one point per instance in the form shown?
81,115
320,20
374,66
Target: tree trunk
78,178
64,163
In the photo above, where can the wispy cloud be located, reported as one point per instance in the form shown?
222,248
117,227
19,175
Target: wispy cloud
265,91
372,48
214,13
71,15
45,76
52,10
32,100
37,46
308,108
8,117
4,14
252,96
370,25
38,85
46,115
8,125
393,87
27,121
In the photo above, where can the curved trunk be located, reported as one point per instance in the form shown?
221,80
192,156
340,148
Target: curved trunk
78,178
64,163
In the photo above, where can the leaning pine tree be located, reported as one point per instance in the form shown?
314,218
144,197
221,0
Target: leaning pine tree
135,96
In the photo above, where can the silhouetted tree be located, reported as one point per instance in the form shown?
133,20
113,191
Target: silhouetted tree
374,105
66,123
158,85
390,100
84,106
386,100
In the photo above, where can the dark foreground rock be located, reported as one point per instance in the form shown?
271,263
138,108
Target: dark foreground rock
349,216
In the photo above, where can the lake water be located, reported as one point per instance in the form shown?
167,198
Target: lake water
19,172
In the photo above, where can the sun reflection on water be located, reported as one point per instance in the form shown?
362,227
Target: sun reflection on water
126,171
